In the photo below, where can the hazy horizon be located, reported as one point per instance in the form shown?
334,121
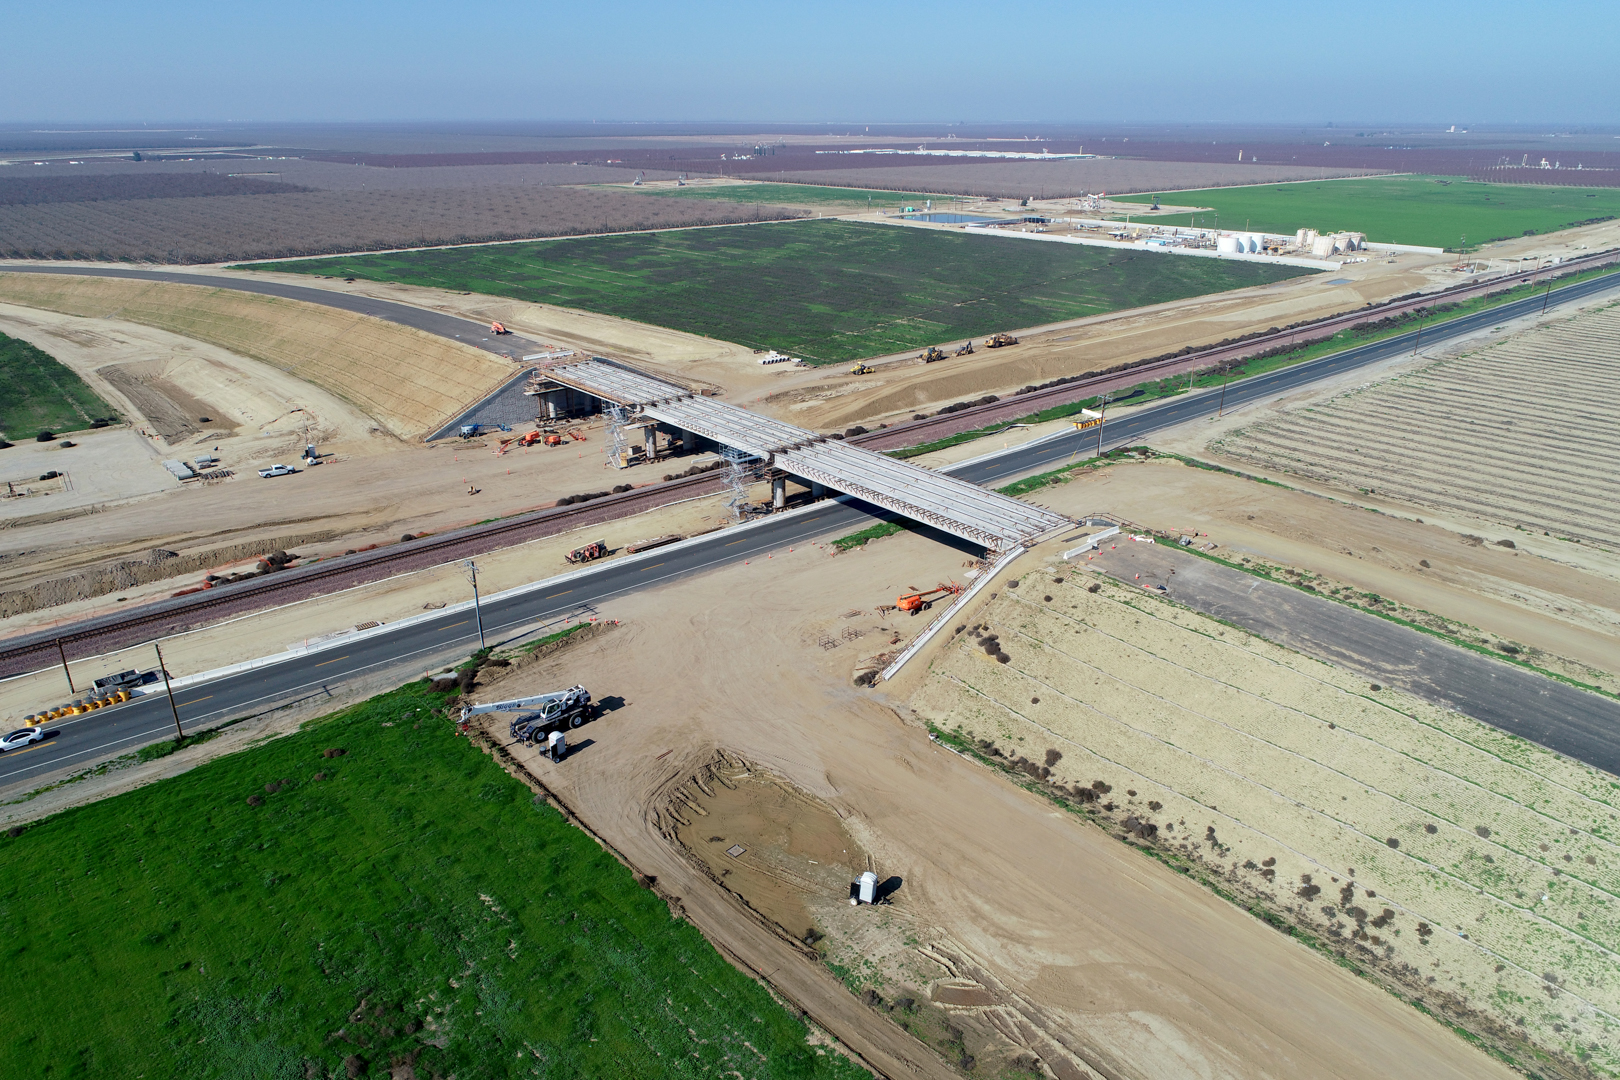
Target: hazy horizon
1448,63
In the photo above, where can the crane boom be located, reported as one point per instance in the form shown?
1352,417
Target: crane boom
550,705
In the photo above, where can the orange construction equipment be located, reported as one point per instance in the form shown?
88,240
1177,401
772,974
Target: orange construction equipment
497,329
588,553
553,440
911,603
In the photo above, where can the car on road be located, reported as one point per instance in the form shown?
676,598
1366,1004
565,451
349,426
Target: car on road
277,470
21,737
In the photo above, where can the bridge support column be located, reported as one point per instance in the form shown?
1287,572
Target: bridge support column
688,442
817,492
778,492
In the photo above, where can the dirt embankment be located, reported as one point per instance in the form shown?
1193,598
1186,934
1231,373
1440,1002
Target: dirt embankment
408,381
160,564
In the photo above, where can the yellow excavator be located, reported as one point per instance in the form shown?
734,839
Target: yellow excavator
934,353
965,349
862,369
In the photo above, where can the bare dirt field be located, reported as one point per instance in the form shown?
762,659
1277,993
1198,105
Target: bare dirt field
1559,603
1470,870
1016,933
171,382
407,381
345,503
1519,433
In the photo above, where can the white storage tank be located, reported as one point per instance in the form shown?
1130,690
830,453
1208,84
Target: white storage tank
1251,243
1322,247
868,889
1228,245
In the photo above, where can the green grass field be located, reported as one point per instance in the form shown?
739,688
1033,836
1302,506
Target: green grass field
805,195
1432,211
38,393
414,904
828,291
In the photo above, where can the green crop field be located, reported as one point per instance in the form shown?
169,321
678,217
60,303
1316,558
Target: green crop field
413,905
1432,211
805,195
825,290
38,393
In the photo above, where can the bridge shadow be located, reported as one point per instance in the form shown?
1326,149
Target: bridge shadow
939,536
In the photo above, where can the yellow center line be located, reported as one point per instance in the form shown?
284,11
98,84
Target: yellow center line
452,626
34,746
654,566
554,595
194,701
323,663
734,543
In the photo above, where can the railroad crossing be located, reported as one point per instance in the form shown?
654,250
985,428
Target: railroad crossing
998,523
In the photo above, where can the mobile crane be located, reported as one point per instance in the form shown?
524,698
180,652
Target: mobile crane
553,712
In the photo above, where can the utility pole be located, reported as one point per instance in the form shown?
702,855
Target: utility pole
1422,315
173,708
1102,422
1546,296
1226,373
63,654
478,611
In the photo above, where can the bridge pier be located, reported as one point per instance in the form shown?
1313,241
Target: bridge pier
817,492
688,442
778,492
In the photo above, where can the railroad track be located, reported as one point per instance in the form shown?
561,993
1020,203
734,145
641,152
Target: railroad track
917,432
166,617
43,648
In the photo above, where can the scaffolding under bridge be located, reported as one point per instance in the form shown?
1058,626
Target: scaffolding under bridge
951,505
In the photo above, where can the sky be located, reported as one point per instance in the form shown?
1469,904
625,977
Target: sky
76,61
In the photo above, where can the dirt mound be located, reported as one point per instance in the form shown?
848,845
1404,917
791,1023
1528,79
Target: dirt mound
407,380
128,573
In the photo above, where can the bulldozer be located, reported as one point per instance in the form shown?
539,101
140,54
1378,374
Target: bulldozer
934,353
589,553
911,603
965,349
862,369
1000,340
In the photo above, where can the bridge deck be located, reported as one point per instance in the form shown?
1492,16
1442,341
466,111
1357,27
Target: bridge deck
954,506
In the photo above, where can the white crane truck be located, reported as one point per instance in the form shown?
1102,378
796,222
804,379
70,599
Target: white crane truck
552,714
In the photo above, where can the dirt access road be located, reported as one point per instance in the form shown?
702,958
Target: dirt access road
1107,963
1583,725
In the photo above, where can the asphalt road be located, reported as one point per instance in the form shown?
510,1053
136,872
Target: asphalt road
433,322
1138,424
98,734
1574,722
87,738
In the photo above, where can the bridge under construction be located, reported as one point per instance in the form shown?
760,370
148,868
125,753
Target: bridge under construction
998,523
